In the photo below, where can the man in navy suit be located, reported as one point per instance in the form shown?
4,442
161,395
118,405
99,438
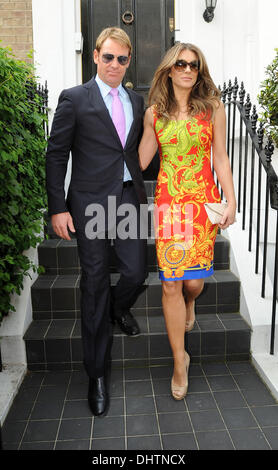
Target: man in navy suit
103,166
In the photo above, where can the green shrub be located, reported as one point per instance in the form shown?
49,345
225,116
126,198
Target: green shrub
268,99
22,174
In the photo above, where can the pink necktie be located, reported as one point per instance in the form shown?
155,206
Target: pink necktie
118,115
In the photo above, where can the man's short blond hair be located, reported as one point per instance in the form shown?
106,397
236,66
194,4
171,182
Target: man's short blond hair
115,33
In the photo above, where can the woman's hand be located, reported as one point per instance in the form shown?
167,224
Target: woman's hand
229,216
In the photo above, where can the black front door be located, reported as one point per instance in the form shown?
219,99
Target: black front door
150,26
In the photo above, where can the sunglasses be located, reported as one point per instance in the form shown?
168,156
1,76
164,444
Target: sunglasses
122,59
182,64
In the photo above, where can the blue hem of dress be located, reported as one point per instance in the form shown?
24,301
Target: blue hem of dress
194,274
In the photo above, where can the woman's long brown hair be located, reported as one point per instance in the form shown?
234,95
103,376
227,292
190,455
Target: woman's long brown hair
204,97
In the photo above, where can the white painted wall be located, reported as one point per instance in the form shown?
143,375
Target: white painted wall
55,26
240,40
14,325
55,23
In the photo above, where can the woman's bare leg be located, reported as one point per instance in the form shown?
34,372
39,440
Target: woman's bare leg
174,310
192,289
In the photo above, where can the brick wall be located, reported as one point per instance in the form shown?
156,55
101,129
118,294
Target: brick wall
16,28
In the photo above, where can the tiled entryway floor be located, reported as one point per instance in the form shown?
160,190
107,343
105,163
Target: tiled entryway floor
227,407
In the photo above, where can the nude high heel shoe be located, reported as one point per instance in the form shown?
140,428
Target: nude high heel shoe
179,392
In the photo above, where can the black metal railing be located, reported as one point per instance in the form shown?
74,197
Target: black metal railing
37,90
253,167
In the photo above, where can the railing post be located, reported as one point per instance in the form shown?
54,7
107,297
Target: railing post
274,299
235,90
224,94
229,93
254,118
247,116
260,142
269,148
241,101
46,107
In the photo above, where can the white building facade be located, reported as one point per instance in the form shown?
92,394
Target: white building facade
239,42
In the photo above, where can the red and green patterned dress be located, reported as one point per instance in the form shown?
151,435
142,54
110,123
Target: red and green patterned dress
185,237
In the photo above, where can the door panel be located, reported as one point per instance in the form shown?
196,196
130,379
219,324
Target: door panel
150,42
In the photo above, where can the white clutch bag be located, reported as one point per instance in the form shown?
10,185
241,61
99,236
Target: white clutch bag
215,211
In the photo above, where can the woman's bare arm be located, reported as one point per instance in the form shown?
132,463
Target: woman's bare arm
222,167
148,144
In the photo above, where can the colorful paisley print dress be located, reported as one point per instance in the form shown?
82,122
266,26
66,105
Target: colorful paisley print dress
184,235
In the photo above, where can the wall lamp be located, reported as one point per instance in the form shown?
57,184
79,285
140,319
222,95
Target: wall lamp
209,11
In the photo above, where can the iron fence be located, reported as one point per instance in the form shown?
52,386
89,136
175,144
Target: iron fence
41,91
252,166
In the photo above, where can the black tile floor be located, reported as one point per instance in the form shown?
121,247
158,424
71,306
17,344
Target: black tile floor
227,407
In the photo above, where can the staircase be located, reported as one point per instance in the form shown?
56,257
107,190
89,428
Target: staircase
53,340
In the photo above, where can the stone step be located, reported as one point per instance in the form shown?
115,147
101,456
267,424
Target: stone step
61,256
53,340
57,297
56,344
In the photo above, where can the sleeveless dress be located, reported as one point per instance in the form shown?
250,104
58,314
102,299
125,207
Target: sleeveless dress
184,235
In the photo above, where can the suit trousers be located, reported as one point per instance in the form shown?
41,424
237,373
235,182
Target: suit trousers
95,286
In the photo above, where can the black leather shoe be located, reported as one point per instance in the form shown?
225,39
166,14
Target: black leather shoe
127,323
98,396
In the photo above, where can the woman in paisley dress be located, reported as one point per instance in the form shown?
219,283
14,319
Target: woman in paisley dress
185,121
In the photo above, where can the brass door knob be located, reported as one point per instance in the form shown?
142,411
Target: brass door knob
129,85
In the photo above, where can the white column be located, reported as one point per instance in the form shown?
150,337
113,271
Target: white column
55,23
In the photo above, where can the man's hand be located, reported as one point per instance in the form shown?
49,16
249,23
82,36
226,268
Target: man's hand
60,223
